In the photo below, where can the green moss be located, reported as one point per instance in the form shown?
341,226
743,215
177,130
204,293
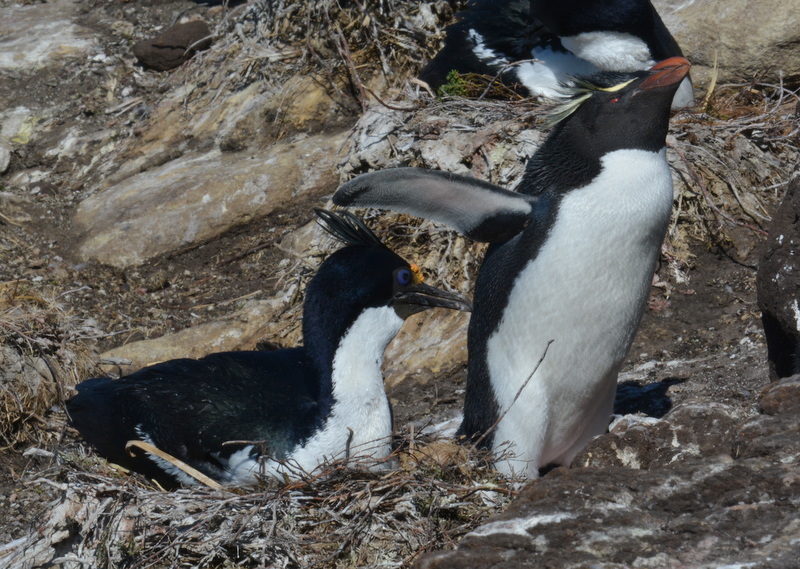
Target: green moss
456,86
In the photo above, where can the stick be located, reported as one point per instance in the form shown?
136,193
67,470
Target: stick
519,392
193,472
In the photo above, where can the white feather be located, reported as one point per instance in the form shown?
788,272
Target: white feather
588,53
360,405
610,51
485,53
544,77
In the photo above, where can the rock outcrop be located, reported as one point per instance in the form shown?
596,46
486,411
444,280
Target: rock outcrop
199,196
729,498
749,41
779,286
174,47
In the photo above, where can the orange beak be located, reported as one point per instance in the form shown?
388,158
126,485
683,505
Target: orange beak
666,73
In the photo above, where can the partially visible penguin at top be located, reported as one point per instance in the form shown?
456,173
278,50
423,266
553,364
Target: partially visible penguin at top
571,260
566,38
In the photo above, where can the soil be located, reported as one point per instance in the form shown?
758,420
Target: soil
700,340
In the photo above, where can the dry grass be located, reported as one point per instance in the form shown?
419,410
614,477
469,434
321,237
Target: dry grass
42,352
336,517
731,160
343,45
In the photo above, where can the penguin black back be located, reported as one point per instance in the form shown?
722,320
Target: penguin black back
494,28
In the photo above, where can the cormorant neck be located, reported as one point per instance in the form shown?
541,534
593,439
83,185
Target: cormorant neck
356,370
347,353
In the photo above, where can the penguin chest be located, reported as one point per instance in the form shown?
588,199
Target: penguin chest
544,77
610,51
585,289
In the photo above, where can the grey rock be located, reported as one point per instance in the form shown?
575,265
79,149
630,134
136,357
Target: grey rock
778,284
726,505
16,209
199,196
38,35
240,331
690,430
174,46
5,159
750,39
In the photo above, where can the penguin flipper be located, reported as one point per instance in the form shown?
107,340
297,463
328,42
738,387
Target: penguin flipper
480,210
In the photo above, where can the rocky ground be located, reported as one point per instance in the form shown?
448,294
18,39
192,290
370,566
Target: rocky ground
146,215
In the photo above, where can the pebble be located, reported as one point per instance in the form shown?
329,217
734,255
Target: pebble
5,159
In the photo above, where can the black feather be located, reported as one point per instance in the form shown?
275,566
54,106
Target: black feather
348,228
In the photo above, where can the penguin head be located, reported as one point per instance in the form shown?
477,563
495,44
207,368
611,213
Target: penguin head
614,111
362,275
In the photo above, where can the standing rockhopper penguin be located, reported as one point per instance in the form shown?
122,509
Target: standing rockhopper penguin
572,258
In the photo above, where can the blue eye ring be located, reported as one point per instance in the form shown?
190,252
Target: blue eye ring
403,277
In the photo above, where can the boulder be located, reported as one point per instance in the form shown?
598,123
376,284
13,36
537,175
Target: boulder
240,331
199,196
732,503
778,284
173,47
41,34
750,39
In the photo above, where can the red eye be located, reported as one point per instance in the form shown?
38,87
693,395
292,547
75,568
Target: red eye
614,100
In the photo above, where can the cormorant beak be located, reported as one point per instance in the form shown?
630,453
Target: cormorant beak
666,73
419,297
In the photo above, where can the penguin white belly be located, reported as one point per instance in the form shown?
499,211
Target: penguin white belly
544,77
586,291
610,51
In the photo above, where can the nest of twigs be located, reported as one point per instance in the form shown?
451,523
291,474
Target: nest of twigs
335,517
343,45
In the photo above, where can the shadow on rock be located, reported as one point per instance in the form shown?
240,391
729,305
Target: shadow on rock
650,399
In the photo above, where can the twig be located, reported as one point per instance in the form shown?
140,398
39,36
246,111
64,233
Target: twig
388,106
344,52
424,85
193,472
247,252
347,445
477,443
707,195
503,70
713,84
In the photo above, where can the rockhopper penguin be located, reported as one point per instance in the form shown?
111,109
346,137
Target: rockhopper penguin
290,409
566,38
572,258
